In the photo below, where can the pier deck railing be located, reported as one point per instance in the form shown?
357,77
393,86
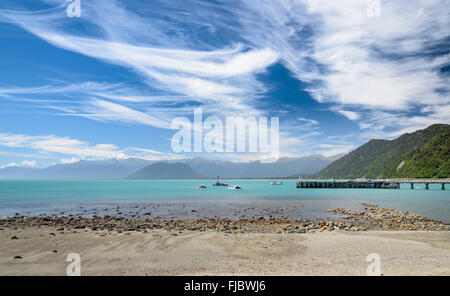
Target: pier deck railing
374,184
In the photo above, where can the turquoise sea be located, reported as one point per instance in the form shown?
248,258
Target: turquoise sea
178,198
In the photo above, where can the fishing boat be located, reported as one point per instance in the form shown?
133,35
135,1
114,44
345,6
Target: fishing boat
235,188
218,183
277,182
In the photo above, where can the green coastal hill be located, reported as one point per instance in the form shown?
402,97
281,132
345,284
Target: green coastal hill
421,154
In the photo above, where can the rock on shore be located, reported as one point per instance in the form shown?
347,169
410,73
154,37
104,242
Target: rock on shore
371,218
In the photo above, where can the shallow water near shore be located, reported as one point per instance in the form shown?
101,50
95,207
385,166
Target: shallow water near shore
181,199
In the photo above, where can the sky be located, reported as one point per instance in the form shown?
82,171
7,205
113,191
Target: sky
109,83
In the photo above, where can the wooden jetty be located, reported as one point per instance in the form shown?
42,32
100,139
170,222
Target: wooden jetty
373,184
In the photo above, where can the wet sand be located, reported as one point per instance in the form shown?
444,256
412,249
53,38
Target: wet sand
160,252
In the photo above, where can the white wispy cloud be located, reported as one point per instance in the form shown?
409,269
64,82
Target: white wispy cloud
349,114
52,145
225,76
334,149
309,121
375,71
352,60
108,111
69,160
25,163
61,145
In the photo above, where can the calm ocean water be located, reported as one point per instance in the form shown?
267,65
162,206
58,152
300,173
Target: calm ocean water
91,197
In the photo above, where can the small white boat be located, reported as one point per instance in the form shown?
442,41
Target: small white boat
277,182
235,188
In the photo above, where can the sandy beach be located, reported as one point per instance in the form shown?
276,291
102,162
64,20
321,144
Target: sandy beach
407,244
43,251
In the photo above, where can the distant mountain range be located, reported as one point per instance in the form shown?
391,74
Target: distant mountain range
284,167
189,168
165,170
15,172
421,154
83,169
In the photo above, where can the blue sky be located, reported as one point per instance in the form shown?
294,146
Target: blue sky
109,83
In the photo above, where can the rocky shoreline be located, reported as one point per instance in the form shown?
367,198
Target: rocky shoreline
371,217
